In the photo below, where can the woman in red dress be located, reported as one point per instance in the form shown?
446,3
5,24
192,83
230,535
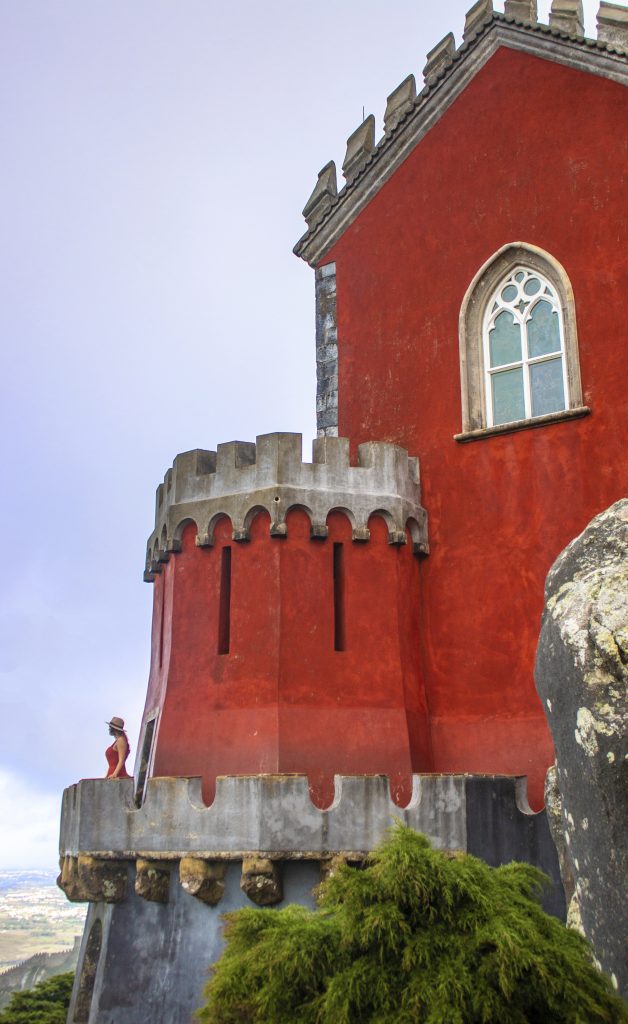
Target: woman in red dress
118,752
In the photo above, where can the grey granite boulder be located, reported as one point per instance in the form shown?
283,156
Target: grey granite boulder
581,675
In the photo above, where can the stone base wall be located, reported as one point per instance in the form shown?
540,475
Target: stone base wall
154,957
159,877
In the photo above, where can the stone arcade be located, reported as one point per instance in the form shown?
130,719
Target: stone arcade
323,661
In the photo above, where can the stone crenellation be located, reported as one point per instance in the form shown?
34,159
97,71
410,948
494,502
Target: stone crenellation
612,25
566,23
241,479
269,813
263,821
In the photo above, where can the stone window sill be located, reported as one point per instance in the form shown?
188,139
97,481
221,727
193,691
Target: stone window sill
510,428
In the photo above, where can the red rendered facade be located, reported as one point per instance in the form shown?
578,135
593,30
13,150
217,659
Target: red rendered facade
530,151
282,699
437,674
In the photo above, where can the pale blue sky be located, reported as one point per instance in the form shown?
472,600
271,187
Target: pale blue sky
155,160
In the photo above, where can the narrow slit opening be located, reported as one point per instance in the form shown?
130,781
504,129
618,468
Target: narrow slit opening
162,615
224,612
339,598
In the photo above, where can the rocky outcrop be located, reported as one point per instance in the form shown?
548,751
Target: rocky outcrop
581,675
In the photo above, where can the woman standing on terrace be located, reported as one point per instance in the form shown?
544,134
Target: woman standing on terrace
119,750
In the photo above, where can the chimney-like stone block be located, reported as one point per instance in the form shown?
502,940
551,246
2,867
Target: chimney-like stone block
612,25
438,58
522,10
475,18
360,145
400,101
323,196
567,16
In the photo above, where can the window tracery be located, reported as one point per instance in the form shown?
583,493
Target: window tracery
518,344
523,349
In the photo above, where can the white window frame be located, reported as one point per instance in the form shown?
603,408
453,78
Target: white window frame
477,417
522,318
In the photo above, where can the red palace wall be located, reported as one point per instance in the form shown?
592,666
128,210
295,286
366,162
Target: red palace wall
283,699
531,151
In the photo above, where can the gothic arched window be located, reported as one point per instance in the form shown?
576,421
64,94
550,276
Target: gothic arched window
518,344
523,349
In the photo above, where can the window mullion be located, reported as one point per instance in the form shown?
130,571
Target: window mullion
527,401
488,389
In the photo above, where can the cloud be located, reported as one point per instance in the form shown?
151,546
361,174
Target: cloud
30,824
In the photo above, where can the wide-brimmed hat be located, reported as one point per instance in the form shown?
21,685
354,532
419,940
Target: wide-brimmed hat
116,723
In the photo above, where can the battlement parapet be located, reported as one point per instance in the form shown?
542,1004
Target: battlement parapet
263,819
241,479
251,813
273,814
411,111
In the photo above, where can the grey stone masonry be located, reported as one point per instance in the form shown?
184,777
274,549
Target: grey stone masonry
262,842
476,17
269,815
567,16
612,25
325,190
360,145
400,101
438,58
523,10
326,352
272,818
242,478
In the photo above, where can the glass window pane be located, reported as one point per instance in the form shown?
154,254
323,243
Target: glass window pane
508,401
505,340
509,293
532,286
546,387
543,330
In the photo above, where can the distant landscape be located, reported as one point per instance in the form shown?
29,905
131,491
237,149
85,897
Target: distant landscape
35,916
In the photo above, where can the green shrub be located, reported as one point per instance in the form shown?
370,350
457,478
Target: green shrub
46,1003
417,936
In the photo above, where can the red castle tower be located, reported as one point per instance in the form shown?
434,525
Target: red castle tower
287,595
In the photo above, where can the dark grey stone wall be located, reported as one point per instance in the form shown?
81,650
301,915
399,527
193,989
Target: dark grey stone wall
156,947
155,956
500,830
326,352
